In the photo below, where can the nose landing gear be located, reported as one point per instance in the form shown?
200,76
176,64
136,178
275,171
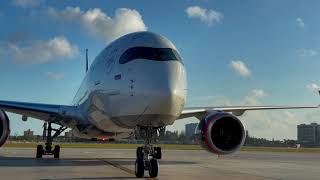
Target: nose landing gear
147,160
147,156
47,133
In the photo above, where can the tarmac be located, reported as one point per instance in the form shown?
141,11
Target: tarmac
89,164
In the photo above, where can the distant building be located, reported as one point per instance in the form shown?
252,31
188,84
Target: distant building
28,133
190,129
309,134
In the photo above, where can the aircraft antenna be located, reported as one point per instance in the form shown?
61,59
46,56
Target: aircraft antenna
87,61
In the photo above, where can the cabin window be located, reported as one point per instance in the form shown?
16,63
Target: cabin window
148,53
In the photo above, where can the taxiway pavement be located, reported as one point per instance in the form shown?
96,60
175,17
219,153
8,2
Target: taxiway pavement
89,164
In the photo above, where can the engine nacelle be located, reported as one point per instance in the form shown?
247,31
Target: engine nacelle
221,133
4,127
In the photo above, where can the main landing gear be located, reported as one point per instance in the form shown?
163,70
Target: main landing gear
47,133
147,155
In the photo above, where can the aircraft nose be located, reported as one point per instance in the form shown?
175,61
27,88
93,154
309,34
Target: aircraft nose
164,87
161,86
168,101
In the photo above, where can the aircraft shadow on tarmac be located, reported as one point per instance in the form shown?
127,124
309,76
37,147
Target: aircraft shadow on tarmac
33,162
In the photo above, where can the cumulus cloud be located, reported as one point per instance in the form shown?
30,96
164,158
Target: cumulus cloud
240,68
55,75
100,24
300,22
37,52
210,101
251,99
313,87
254,96
207,16
307,52
27,3
278,124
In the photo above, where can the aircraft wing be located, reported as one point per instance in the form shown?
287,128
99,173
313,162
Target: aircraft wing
201,112
46,112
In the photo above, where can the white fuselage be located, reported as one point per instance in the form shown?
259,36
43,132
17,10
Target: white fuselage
124,89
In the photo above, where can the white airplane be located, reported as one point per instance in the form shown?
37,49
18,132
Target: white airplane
135,86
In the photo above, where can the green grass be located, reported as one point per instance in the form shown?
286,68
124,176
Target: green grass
166,146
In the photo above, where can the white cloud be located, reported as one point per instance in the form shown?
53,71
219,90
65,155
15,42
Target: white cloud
68,14
300,22
55,75
278,124
210,100
27,3
207,16
37,52
240,68
100,24
313,87
254,96
307,52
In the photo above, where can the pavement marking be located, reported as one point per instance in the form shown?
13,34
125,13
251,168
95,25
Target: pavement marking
127,170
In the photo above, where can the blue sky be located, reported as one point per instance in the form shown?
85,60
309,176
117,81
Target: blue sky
236,53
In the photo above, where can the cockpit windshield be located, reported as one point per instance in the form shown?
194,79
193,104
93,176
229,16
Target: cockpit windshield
148,53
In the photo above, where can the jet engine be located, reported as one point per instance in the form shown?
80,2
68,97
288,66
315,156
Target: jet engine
4,127
220,133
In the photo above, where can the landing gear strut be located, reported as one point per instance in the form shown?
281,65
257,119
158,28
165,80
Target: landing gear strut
47,133
147,155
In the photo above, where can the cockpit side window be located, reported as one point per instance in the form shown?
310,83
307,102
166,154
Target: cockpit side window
148,53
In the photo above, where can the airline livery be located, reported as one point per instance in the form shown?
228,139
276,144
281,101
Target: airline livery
136,86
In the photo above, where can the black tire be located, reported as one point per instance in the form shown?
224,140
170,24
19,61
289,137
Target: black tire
139,168
56,152
39,151
158,154
153,168
140,153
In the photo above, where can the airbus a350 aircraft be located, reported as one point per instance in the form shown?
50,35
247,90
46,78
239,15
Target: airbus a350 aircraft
135,86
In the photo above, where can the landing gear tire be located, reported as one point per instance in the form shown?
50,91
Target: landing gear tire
147,155
139,168
56,152
158,153
39,151
47,134
140,153
153,168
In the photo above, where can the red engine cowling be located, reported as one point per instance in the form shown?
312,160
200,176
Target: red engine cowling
4,127
221,133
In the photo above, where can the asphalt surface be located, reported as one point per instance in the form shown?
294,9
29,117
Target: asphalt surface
88,164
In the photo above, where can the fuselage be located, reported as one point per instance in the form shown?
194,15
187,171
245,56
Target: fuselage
137,80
